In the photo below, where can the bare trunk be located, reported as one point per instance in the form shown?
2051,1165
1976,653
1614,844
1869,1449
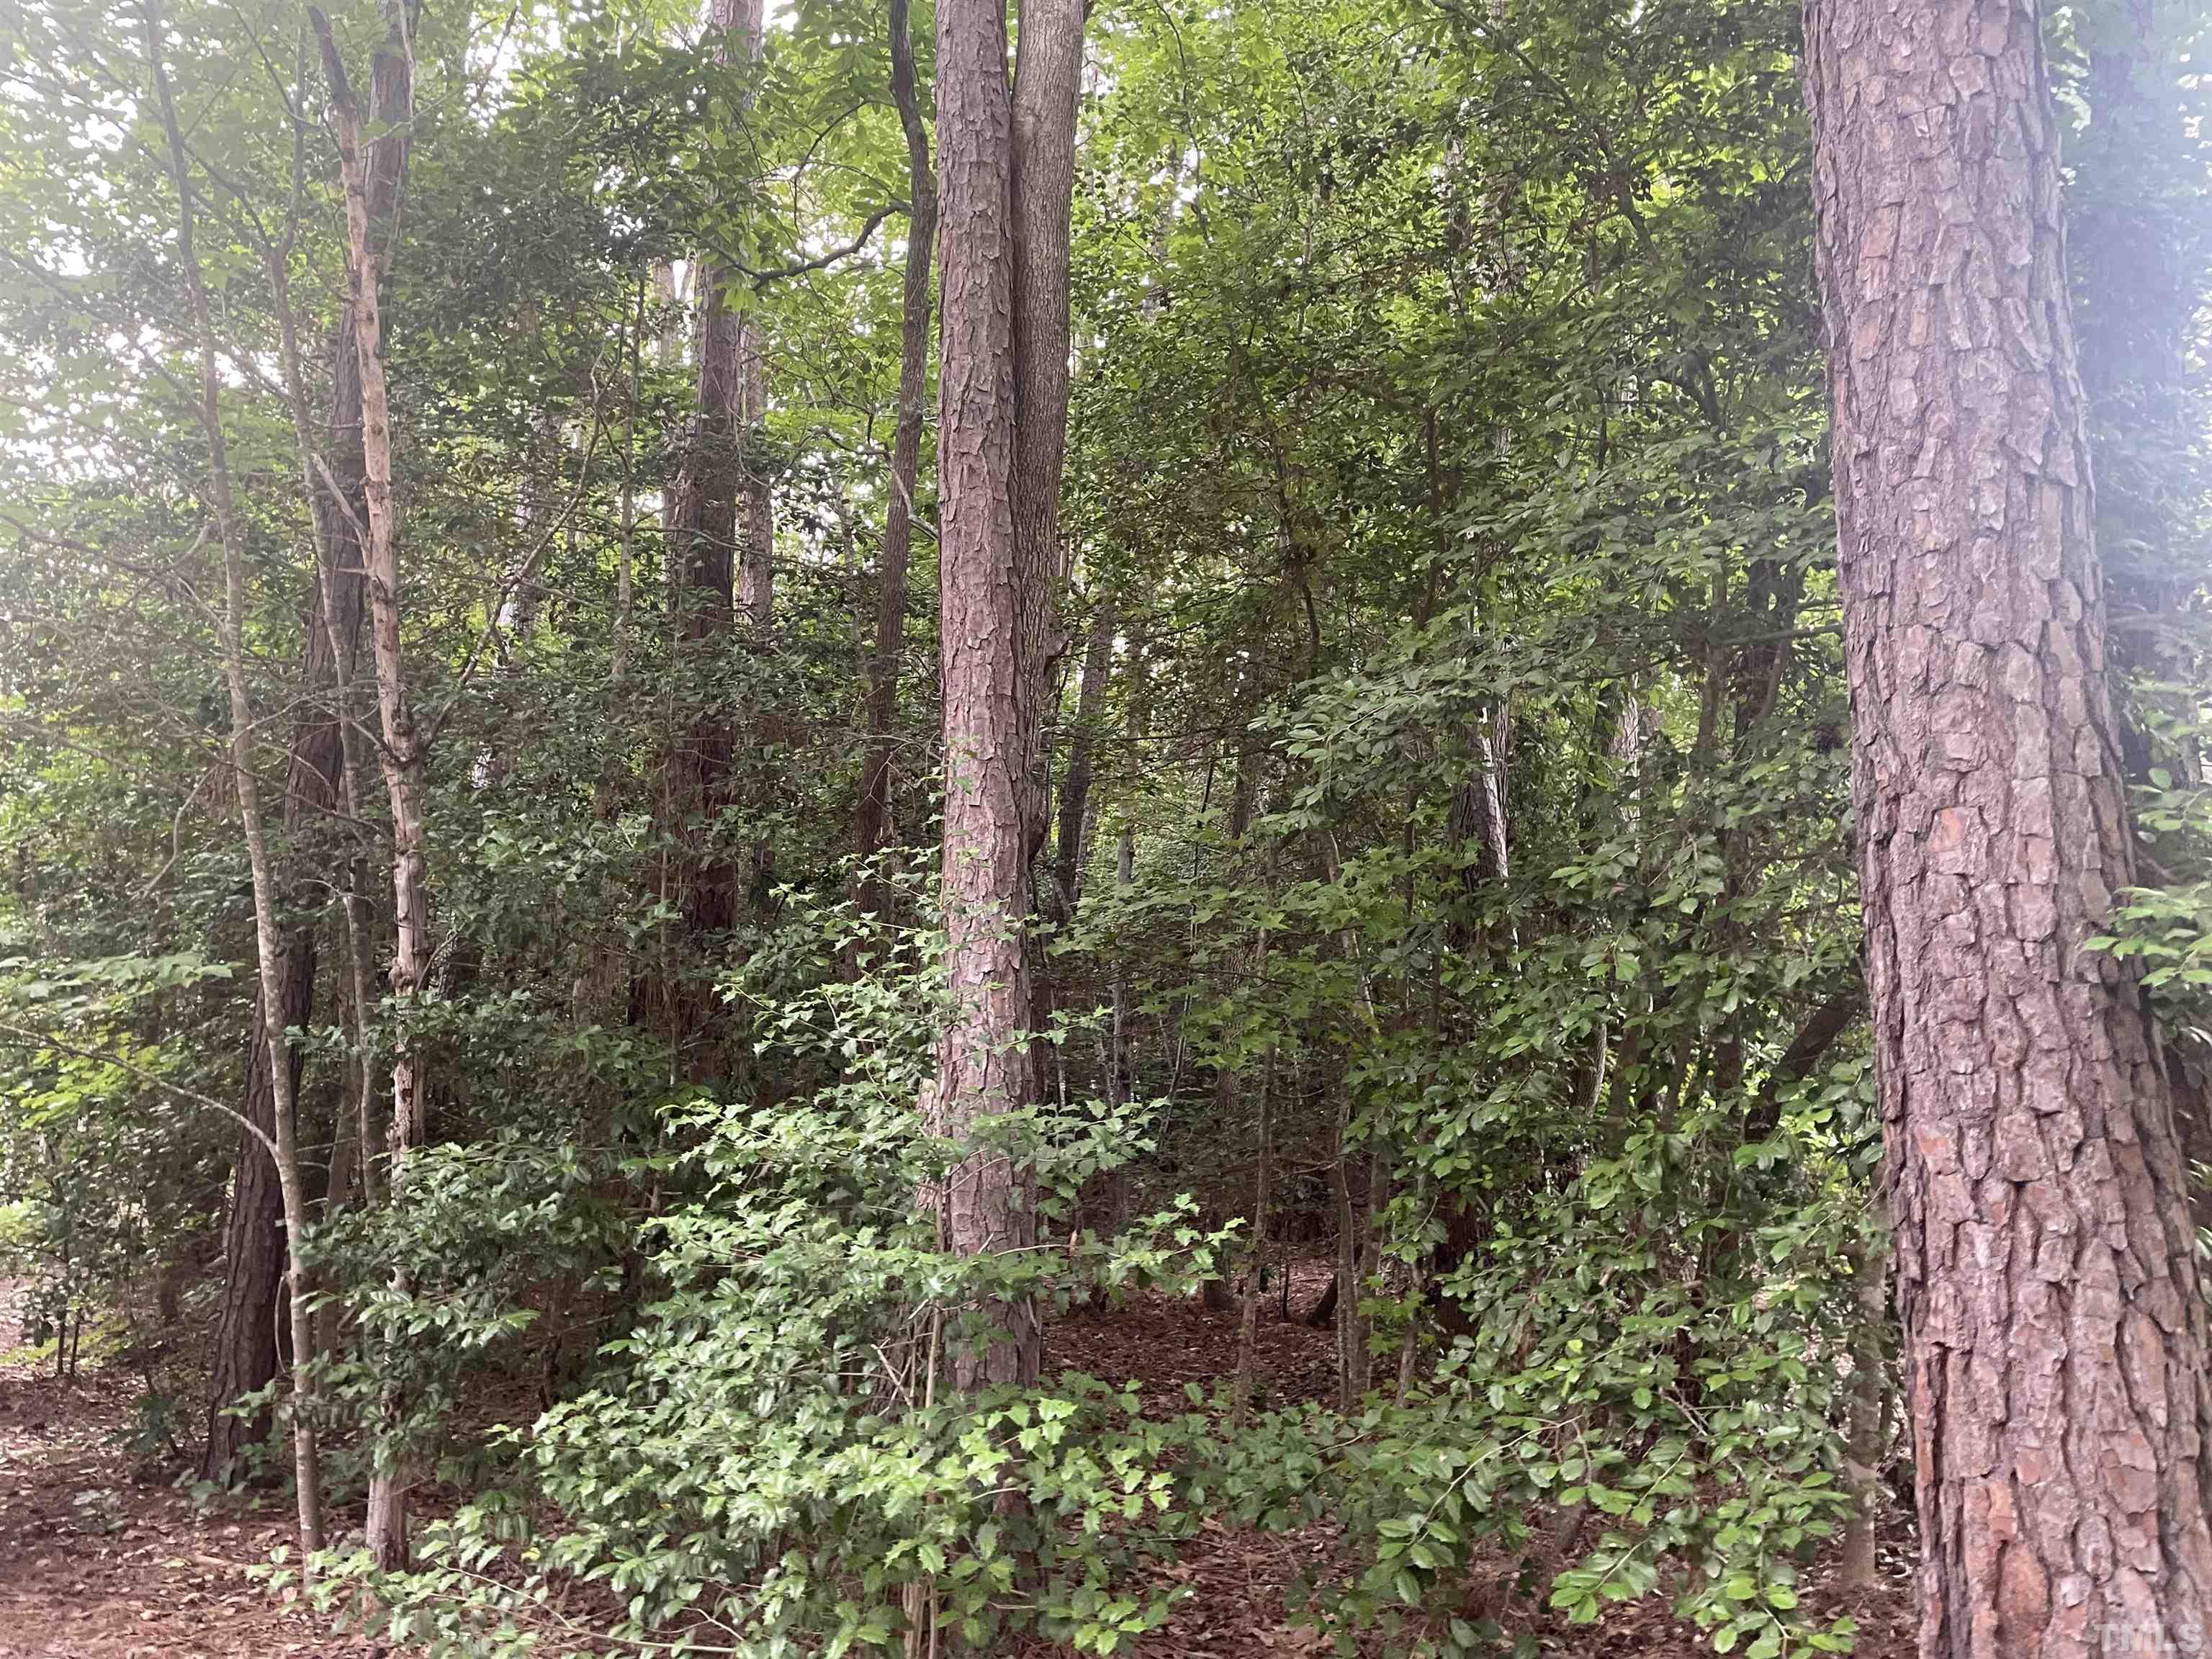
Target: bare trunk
401,754
983,1069
269,942
1075,794
1263,1186
2054,1324
710,505
875,811
1041,181
1859,1567
1004,167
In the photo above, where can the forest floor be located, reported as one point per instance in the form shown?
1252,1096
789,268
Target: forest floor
102,1557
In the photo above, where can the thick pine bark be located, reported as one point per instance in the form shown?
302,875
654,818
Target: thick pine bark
874,818
1004,170
988,1203
2054,1326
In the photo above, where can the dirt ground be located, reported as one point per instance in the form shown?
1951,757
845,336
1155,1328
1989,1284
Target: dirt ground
100,1560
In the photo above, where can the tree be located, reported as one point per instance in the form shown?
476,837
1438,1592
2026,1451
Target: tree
403,750
719,532
874,815
320,769
280,1140
1004,177
2054,1320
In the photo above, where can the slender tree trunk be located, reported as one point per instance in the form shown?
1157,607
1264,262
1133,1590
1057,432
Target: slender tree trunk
1075,794
1343,1299
1858,1568
2054,1322
321,765
709,503
1263,1188
269,939
1041,181
906,465
401,753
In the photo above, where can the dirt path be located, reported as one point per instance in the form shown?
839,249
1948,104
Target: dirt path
95,1564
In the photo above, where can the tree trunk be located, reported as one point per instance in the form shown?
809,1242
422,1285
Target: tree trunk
704,522
2054,1325
244,1356
1075,794
401,752
995,594
1263,1186
1041,182
906,467
981,1069
1858,1568
281,1144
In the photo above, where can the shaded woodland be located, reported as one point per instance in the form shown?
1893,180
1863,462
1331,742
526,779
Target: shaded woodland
726,739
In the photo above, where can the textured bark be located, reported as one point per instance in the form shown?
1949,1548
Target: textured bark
401,752
1047,77
988,1204
715,510
281,1144
874,818
1075,794
2054,1325
243,1359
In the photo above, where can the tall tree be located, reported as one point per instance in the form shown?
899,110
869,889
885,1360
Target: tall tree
717,523
874,817
1004,174
281,1142
244,1358
402,749
2054,1322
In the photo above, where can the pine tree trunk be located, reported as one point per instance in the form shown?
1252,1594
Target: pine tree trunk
999,478
981,1069
2054,1324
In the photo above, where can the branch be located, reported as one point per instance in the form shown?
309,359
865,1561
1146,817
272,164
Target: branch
45,1040
761,279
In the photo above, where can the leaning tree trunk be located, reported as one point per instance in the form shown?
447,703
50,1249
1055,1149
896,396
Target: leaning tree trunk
2054,1324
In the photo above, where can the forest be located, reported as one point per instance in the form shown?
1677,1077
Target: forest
1374,827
